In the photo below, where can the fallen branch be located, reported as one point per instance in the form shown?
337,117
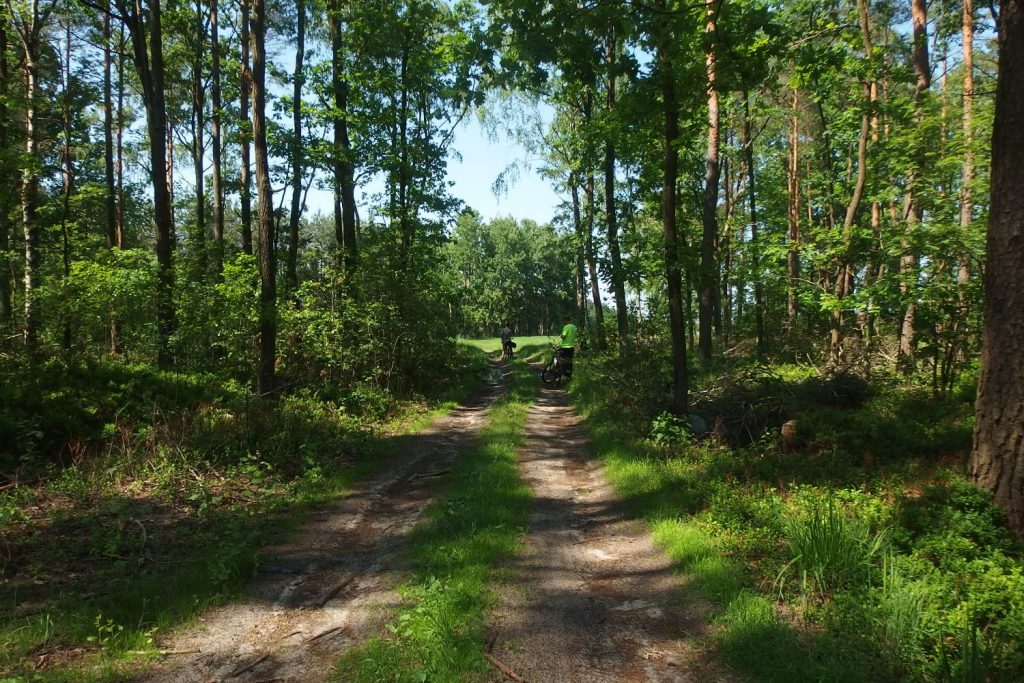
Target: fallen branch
248,667
332,592
166,653
313,639
293,633
504,669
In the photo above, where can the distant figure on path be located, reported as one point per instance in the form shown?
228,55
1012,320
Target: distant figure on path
506,341
567,346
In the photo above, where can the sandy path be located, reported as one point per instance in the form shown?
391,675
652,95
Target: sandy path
331,584
591,598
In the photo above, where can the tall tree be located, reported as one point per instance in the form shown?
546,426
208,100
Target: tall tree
909,265
198,237
267,255
144,26
291,272
673,270
28,21
245,130
709,239
611,212
997,461
216,141
6,178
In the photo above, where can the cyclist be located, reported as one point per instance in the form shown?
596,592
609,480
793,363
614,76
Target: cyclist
567,345
506,341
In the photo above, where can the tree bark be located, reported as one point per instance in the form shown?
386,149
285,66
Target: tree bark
198,146
68,184
344,166
291,268
6,180
909,265
709,238
216,142
755,258
793,217
245,133
614,252
674,285
581,267
122,239
110,199
997,460
268,289
963,275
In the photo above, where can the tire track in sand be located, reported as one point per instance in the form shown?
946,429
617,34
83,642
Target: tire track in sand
590,598
330,585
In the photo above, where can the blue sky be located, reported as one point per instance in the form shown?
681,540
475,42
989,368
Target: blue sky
482,161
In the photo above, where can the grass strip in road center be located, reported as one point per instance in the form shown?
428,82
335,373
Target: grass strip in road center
482,517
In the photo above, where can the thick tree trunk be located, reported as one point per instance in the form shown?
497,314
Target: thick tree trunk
291,267
909,262
268,289
997,461
216,142
677,329
245,132
709,238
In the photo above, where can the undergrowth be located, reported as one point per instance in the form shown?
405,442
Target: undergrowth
856,551
438,634
157,492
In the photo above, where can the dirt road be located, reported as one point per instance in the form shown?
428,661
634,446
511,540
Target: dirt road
331,583
591,598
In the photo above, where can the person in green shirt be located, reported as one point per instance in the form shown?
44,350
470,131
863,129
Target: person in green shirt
567,346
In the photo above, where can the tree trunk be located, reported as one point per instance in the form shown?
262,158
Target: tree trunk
581,268
7,181
673,277
110,199
291,268
343,165
216,142
68,184
268,290
755,258
122,240
997,460
29,179
198,147
793,217
909,265
595,282
709,266
614,252
963,275
245,132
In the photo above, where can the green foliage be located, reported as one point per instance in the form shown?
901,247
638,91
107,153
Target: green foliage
908,570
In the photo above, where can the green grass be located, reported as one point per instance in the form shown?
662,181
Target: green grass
170,521
438,634
861,556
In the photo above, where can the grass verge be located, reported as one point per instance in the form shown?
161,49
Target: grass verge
438,634
860,553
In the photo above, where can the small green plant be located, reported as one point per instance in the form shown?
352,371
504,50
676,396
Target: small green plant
829,549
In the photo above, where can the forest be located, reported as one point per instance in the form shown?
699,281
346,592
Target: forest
789,235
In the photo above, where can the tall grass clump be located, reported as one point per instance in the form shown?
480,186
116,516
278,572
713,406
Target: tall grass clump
830,550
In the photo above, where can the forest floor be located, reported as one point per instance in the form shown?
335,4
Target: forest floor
589,597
